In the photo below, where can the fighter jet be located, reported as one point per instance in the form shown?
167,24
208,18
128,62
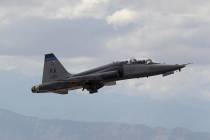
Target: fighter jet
56,79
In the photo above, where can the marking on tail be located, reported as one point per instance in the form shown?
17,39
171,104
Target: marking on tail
53,69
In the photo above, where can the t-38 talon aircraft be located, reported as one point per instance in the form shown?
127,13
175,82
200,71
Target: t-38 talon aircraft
56,79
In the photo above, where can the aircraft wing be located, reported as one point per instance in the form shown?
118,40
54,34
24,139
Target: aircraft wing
93,82
63,91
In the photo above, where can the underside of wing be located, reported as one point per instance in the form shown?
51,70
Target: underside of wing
110,83
63,91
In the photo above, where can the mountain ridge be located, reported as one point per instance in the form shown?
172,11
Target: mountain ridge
20,127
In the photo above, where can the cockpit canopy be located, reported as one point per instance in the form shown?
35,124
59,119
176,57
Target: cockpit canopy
135,61
146,62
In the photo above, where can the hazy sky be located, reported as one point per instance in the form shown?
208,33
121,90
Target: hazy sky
88,33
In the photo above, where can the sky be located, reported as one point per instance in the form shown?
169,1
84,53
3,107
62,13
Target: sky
88,33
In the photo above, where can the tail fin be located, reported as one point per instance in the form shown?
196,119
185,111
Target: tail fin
53,69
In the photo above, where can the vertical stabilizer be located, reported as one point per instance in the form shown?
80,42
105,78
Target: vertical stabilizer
53,69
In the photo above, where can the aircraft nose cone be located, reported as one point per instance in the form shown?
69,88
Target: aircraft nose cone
179,67
173,67
182,66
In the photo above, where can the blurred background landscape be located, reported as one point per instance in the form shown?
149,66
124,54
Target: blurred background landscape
88,33
18,127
